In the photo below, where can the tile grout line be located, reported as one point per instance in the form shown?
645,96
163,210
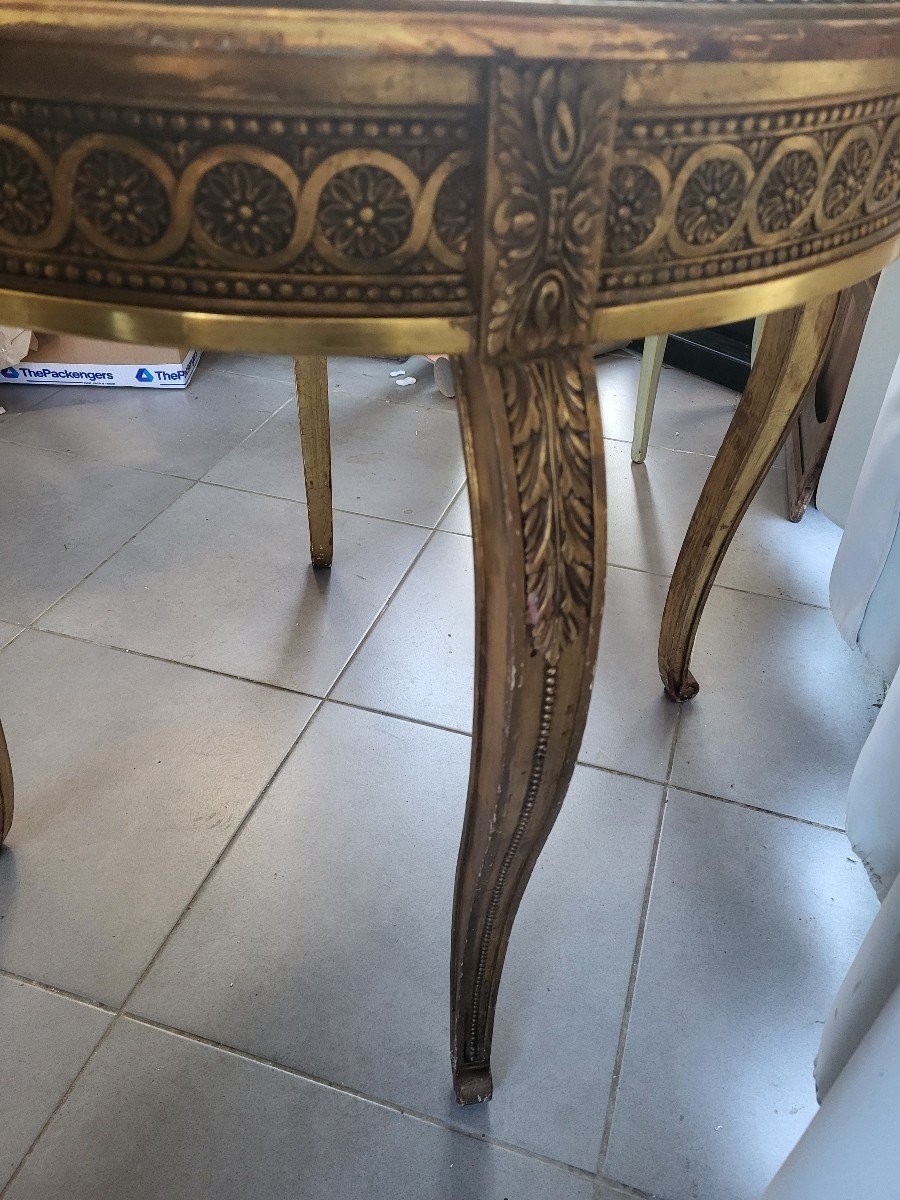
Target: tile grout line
769,812
394,591
193,482
383,712
238,829
64,993
352,512
104,561
37,404
635,961
150,470
430,530
579,762
20,630
629,994
56,1108
356,1093
145,470
215,369
119,1012
616,772
274,1064
659,446
214,483
92,458
727,587
122,1014
722,587
623,1189
173,662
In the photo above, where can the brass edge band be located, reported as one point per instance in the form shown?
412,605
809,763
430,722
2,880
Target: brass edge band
673,313
231,331
392,335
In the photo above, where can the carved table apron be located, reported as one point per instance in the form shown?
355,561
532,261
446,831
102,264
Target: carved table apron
504,182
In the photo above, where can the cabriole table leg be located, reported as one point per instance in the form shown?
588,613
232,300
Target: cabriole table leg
789,355
534,455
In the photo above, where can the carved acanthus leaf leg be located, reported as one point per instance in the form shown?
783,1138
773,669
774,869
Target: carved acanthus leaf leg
6,789
789,355
530,417
534,456
315,438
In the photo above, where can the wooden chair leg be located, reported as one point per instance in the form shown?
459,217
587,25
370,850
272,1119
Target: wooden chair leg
6,789
315,440
648,383
789,355
534,457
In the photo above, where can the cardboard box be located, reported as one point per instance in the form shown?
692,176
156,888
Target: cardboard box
63,360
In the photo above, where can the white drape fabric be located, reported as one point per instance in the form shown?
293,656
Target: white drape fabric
852,1146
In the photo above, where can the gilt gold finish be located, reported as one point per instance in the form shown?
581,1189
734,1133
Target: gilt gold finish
790,352
500,180
311,375
534,455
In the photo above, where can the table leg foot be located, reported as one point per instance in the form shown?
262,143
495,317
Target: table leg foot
472,1087
680,688
534,456
789,355
6,789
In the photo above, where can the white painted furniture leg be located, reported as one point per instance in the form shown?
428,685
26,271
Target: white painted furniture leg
757,335
651,365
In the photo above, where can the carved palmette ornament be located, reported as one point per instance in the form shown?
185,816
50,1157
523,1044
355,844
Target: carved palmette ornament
550,132
549,150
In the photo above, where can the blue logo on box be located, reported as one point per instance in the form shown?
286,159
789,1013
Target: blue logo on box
144,376
9,373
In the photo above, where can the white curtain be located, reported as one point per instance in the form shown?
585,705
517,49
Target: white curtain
852,1147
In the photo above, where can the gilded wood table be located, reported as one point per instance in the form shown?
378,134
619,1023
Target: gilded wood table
504,181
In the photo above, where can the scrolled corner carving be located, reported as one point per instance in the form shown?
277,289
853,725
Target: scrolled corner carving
551,127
